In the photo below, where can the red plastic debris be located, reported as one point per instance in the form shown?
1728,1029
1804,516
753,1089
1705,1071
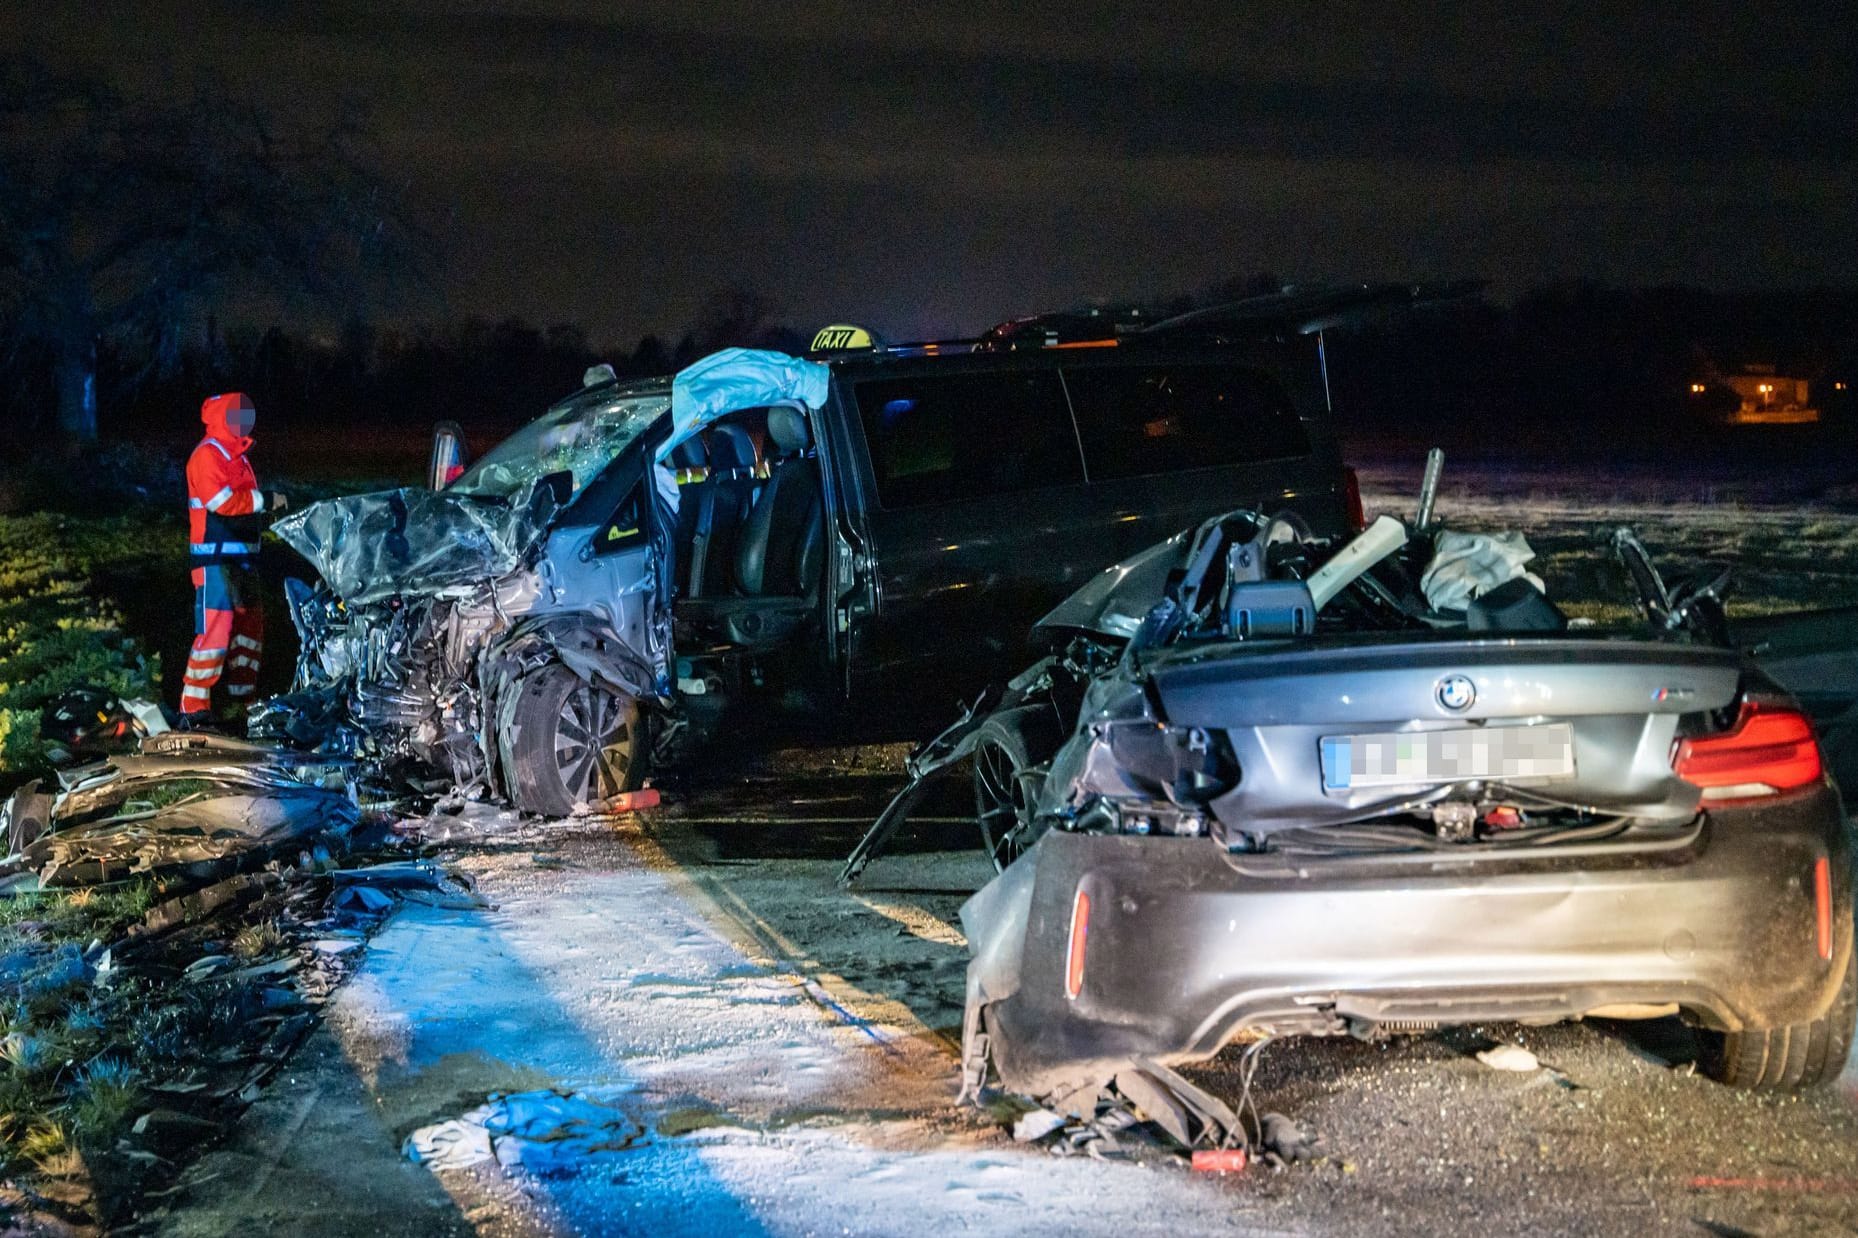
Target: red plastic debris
1220,1160
1504,817
632,801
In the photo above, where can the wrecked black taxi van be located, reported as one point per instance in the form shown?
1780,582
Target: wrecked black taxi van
595,591
1268,785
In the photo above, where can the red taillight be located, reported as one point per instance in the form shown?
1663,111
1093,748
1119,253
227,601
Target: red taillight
1351,499
1822,906
1074,954
1770,750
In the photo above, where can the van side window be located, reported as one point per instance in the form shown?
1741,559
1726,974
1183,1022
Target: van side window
954,436
1138,420
625,528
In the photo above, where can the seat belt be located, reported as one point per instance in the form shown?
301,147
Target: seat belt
700,540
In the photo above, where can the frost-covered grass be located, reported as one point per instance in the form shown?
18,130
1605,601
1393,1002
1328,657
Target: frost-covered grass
1785,556
56,633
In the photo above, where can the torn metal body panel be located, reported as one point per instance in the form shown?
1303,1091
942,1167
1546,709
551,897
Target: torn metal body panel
1814,655
369,547
186,802
1292,797
442,617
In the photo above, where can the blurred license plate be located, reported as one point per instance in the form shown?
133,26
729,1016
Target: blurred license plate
1408,758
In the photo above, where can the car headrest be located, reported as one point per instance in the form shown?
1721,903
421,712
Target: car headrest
731,448
787,427
688,454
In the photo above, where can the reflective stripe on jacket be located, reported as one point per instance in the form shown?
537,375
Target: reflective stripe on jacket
223,503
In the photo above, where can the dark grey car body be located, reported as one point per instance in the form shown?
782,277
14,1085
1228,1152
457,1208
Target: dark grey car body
1191,945
1190,870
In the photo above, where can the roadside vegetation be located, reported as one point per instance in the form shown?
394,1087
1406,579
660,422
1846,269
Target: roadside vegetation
1786,555
56,632
69,1079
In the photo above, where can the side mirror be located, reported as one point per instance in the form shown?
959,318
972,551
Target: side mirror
449,456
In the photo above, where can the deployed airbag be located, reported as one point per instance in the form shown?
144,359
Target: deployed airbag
738,378
1465,565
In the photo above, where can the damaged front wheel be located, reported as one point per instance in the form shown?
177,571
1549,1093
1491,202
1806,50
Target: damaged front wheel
572,745
1004,790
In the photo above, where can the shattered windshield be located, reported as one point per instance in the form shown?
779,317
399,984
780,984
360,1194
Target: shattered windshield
579,437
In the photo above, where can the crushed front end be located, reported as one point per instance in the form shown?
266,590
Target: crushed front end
437,612
395,682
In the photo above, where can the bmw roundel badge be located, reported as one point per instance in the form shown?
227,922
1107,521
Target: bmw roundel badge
1456,693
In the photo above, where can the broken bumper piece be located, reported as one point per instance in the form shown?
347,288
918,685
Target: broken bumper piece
188,801
1093,952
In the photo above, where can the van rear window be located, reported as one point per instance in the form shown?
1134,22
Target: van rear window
954,436
1138,420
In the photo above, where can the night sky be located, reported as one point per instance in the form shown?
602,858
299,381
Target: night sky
930,167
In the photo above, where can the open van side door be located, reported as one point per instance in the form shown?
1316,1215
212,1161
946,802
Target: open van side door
1814,655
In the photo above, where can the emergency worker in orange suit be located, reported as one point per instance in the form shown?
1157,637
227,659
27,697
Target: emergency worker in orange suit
224,508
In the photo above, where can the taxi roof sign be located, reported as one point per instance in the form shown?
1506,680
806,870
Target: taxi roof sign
843,337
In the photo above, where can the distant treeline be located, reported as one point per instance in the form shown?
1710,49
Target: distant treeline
1577,370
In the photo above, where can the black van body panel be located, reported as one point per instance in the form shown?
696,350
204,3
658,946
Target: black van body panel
953,585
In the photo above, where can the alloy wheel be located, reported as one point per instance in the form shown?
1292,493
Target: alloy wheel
594,745
1001,804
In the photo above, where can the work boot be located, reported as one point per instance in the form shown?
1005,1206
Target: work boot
198,721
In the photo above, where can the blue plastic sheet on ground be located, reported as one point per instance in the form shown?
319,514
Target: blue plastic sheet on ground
544,1132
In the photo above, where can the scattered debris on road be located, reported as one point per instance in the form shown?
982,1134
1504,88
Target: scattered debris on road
1509,1057
543,1132
169,926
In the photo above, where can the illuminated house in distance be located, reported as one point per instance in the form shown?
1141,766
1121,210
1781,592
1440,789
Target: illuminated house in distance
1761,397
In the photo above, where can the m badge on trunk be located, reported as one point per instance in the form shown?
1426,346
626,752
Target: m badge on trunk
1456,693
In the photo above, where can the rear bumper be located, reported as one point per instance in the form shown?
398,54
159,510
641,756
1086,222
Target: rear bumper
1187,946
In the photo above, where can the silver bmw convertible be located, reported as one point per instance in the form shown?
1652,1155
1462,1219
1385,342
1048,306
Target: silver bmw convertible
1268,785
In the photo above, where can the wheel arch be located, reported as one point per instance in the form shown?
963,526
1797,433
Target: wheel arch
586,644
1034,724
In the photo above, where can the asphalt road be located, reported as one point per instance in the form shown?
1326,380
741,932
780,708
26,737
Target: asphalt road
789,1050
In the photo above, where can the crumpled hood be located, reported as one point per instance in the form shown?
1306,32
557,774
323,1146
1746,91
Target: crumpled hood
372,546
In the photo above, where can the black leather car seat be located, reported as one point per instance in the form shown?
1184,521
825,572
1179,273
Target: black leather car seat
782,545
721,502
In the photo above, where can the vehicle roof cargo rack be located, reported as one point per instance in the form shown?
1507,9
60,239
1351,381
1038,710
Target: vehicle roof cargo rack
1304,311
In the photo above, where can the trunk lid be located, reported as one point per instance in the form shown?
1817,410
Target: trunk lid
1619,701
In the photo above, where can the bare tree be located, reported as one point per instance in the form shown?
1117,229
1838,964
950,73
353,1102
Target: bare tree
142,222
740,315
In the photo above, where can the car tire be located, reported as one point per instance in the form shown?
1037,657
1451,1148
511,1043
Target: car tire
1799,1055
571,745
1004,792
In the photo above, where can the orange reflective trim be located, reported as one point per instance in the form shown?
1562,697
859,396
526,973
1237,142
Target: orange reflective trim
1074,954
1822,906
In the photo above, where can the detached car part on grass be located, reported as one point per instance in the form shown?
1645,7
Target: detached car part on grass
1263,787
187,807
